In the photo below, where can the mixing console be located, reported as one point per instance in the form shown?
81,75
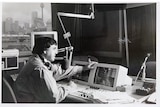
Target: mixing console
105,96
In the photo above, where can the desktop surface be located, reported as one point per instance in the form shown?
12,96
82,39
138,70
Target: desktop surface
86,94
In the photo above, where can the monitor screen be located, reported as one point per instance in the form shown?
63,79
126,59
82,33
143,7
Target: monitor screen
12,62
84,76
105,76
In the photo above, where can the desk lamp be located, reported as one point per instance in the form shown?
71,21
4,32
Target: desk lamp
66,34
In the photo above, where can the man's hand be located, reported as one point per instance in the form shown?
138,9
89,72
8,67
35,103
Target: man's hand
91,65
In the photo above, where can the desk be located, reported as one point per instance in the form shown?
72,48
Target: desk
131,90
77,97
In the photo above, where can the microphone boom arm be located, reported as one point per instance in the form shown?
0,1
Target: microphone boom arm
143,67
67,34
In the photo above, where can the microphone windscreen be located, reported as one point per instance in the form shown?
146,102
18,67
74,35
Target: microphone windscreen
148,54
65,64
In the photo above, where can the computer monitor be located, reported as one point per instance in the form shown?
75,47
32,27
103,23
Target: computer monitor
10,59
103,76
84,76
35,35
110,76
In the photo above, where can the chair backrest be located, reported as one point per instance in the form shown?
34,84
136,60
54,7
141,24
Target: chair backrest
151,69
8,95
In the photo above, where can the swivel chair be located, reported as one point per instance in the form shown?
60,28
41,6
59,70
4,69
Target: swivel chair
151,69
8,95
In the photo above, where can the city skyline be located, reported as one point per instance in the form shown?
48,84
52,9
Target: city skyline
11,26
21,12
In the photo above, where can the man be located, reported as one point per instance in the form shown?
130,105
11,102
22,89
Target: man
36,81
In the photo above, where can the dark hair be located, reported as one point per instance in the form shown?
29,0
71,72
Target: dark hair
42,44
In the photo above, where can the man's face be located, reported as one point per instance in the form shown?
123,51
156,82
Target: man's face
51,52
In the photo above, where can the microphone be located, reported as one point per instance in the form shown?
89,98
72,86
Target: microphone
142,69
89,59
65,63
148,54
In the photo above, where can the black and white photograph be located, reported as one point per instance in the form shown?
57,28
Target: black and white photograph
79,53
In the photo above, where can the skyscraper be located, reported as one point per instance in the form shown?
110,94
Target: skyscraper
27,28
34,16
8,25
15,27
3,27
42,6
49,25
